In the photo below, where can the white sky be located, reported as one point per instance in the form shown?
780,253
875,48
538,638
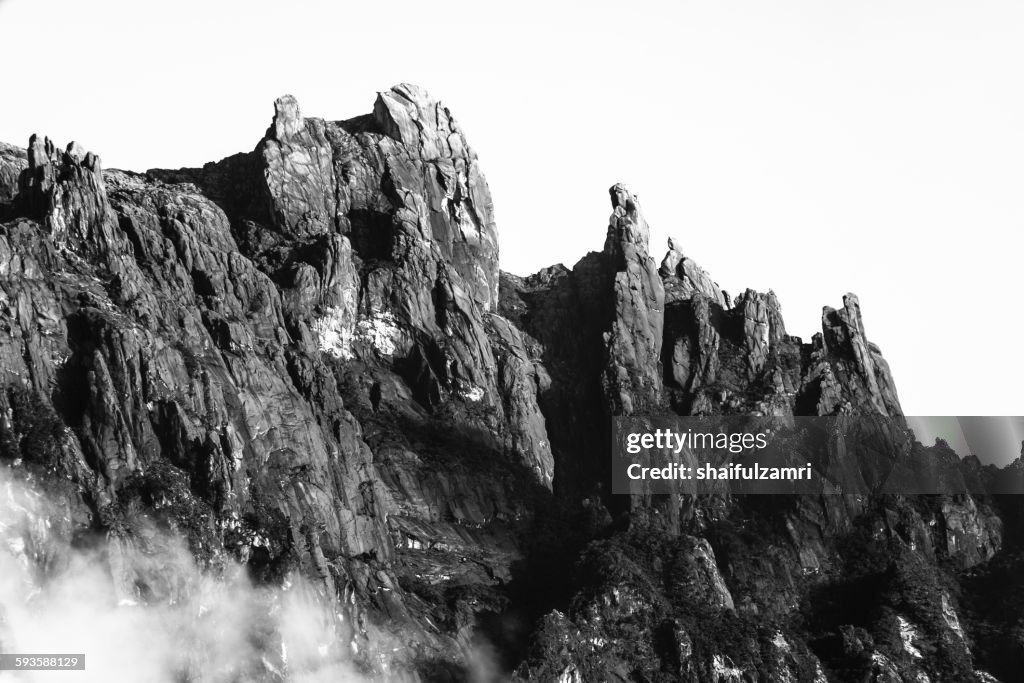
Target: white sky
810,147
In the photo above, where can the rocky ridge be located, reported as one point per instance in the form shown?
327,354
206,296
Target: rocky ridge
305,358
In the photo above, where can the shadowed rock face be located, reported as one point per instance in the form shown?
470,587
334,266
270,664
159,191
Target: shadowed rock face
305,358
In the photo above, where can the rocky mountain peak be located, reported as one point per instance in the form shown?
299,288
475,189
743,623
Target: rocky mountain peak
287,117
304,359
683,277
628,234
40,151
67,191
411,116
843,335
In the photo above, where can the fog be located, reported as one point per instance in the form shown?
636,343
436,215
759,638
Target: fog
173,622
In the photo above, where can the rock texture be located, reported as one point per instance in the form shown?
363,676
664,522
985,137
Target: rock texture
305,358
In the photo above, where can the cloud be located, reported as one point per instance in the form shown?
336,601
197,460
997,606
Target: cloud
140,608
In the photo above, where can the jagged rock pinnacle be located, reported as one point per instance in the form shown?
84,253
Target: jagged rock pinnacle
634,345
287,117
300,358
628,233
683,276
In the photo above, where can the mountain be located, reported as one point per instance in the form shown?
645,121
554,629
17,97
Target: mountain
303,361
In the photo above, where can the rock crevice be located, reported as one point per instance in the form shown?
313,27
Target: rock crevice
305,358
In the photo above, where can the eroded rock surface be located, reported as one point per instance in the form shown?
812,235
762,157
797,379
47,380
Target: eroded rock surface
304,358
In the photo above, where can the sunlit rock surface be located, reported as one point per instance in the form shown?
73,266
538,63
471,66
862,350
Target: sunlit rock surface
297,377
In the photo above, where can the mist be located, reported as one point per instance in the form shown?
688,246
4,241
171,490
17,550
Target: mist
140,608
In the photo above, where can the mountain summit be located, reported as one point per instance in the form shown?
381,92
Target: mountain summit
305,361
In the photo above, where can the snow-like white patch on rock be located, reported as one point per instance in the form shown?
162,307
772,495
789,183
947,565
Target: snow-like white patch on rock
723,669
380,331
334,333
908,634
474,393
949,615
570,675
783,653
883,666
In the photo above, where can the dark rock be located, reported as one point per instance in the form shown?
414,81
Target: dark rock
12,162
683,278
633,373
857,364
304,358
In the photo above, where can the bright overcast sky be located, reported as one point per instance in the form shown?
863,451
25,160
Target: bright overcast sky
809,147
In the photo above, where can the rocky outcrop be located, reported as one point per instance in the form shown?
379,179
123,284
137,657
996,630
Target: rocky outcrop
304,359
633,372
209,322
683,278
460,211
13,161
856,364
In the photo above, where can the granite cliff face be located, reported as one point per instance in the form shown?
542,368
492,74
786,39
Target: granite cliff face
305,359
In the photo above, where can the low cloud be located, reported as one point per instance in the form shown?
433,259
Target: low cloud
140,608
